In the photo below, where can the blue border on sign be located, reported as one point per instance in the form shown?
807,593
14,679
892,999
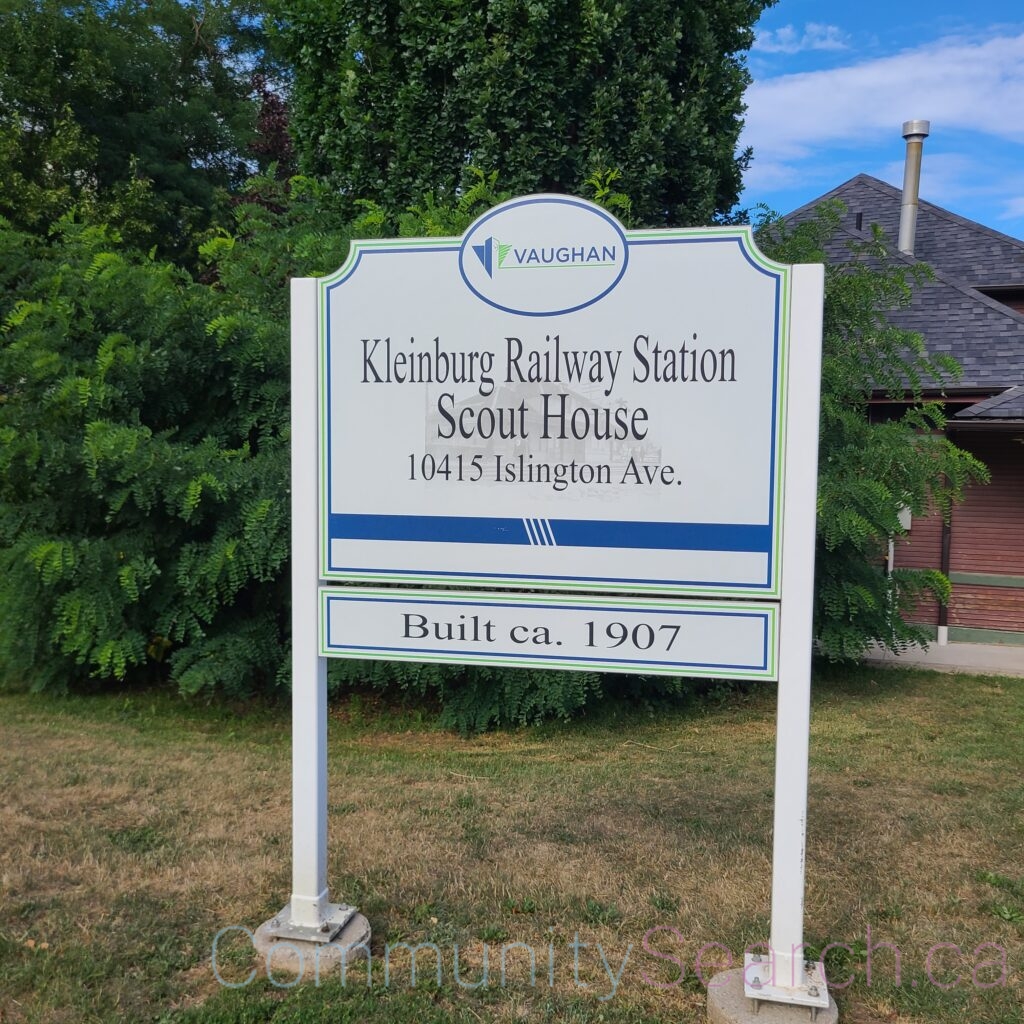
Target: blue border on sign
459,603
602,533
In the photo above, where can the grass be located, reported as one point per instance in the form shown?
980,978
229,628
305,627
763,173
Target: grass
134,829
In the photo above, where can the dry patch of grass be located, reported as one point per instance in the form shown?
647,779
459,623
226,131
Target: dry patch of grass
131,833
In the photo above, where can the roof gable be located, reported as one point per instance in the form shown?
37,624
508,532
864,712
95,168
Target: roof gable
984,336
977,255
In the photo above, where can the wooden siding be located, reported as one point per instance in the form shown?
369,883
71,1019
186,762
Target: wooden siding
987,607
925,611
922,547
987,537
988,528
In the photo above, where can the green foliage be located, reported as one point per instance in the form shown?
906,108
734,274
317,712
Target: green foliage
869,469
600,184
144,476
394,100
434,215
144,494
135,114
144,470
475,699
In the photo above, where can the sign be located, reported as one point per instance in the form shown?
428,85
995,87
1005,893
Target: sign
553,402
591,634
559,444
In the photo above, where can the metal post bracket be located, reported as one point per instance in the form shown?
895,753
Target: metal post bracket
760,983
336,916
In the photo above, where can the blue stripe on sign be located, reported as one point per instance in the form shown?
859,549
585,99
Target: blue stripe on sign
586,533
583,533
444,529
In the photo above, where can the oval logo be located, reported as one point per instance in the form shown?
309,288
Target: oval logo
543,255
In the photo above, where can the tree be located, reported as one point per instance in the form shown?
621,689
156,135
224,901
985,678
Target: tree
144,451
98,97
868,471
392,100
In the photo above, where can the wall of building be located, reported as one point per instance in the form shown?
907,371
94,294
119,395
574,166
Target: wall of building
986,546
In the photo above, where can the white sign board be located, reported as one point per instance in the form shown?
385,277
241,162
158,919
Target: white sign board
588,633
552,402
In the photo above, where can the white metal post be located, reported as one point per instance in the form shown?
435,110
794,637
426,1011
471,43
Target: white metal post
784,979
309,915
309,671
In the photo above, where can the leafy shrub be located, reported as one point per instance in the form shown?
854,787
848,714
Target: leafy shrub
473,699
144,493
868,470
144,467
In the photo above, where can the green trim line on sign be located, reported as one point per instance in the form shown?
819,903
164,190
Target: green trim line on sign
463,658
985,579
782,411
557,266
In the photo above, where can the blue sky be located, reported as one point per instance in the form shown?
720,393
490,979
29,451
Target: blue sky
834,82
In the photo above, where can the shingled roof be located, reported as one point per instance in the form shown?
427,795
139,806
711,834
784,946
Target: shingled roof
955,318
976,255
1009,405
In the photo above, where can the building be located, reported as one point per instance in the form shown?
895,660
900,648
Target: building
974,311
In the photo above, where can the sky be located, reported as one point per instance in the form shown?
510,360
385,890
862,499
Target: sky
834,81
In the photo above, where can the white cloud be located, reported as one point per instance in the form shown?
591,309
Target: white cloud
953,83
771,175
811,131
766,175
1013,208
788,40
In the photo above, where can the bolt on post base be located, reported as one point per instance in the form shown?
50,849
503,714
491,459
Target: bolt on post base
761,984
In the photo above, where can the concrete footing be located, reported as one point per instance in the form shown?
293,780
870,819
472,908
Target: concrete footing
727,1004
297,960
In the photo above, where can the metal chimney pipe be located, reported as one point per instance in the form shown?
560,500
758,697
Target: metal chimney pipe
915,132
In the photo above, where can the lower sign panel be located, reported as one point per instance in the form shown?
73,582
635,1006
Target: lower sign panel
719,639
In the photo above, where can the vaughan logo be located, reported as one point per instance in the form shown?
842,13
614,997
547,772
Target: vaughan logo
496,255
537,233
